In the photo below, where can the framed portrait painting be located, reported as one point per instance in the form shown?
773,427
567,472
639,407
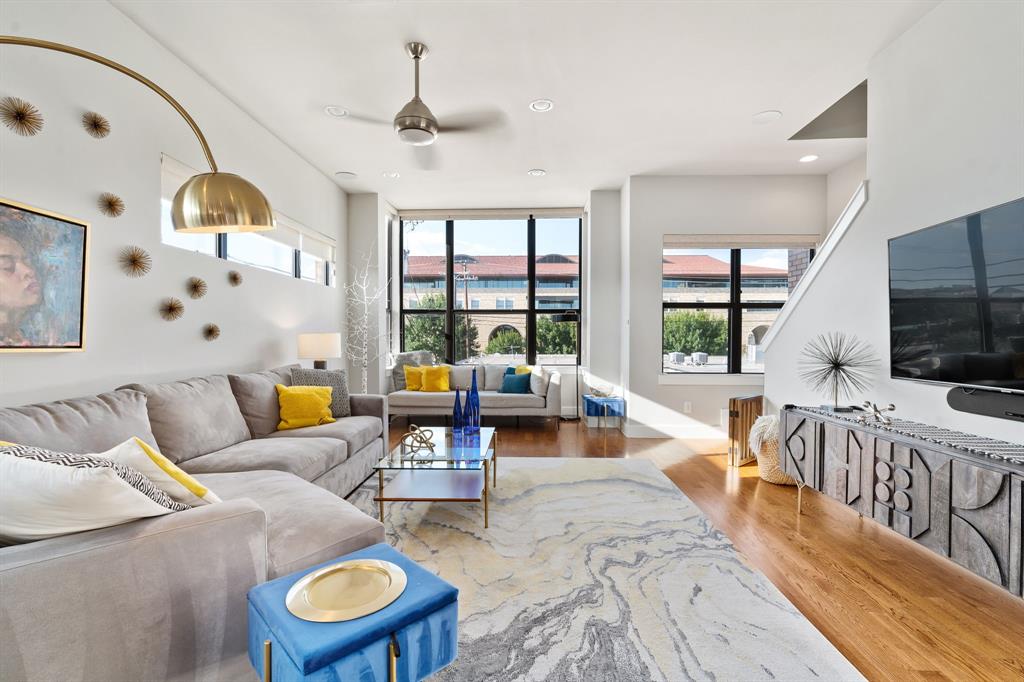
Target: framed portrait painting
44,261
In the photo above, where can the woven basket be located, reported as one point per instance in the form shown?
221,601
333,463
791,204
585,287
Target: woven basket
764,441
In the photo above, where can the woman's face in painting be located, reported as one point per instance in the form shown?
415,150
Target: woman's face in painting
19,286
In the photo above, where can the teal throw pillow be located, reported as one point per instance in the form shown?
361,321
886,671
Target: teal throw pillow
515,383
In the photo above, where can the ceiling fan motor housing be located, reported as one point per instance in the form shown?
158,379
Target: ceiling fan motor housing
415,124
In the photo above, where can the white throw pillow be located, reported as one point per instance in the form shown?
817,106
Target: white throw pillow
539,379
164,473
45,494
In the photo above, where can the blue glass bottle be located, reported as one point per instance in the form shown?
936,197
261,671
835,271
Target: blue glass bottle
467,416
473,399
458,418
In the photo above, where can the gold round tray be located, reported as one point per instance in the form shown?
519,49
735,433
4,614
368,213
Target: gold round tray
346,591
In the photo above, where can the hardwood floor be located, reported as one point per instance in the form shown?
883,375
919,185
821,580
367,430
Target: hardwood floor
897,612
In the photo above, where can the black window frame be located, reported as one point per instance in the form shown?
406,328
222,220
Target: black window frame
450,312
734,307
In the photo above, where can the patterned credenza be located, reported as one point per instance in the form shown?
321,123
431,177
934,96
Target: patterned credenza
959,499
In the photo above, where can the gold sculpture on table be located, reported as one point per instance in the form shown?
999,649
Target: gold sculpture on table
416,439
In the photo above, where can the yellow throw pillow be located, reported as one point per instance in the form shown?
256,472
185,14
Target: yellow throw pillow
435,379
164,473
304,406
413,378
523,369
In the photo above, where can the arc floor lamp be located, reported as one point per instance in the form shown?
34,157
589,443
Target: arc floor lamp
207,202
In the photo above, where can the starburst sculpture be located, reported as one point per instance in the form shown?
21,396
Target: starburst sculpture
20,116
837,365
134,260
234,278
211,332
196,287
111,204
95,124
171,309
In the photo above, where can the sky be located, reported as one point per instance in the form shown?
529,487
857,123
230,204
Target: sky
493,237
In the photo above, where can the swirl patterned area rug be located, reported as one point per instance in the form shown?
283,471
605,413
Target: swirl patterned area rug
602,570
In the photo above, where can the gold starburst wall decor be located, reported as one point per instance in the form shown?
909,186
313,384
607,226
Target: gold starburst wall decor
111,205
234,278
134,260
196,287
211,332
95,124
171,309
20,116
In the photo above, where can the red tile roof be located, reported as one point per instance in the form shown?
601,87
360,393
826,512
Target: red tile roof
515,266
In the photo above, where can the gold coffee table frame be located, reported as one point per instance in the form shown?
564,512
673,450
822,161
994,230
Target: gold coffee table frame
449,474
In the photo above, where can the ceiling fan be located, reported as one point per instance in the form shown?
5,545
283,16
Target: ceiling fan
417,126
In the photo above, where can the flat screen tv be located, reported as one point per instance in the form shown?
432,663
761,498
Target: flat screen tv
956,301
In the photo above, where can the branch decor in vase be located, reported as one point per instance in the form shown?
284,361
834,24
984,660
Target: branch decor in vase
837,365
363,294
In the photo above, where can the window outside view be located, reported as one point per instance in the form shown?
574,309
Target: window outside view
699,300
491,306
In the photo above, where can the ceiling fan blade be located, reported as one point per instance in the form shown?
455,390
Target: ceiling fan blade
473,121
426,157
372,120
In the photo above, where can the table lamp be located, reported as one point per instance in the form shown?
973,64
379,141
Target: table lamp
320,346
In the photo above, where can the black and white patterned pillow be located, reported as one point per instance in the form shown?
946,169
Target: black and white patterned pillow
129,475
337,379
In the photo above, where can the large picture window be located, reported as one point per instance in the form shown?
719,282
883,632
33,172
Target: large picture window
507,290
718,305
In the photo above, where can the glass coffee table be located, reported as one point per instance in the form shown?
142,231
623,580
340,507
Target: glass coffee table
461,468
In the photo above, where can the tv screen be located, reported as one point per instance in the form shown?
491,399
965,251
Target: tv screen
956,301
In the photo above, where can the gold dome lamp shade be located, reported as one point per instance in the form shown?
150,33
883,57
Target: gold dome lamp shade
207,203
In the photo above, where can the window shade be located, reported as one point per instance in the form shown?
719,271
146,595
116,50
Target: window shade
739,241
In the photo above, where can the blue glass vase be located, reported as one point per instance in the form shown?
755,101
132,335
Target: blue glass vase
473,407
458,417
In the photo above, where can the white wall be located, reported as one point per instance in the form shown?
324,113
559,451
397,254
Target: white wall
841,184
64,170
655,206
601,318
946,137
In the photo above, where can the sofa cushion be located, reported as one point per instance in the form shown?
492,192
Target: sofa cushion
306,525
80,425
505,401
357,432
194,416
461,377
256,396
337,379
422,399
305,457
493,375
447,400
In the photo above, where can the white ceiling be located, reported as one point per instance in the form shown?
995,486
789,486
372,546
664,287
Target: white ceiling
639,87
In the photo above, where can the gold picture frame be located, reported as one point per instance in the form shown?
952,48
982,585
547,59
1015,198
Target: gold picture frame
44,277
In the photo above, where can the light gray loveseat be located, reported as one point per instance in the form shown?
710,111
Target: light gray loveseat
164,598
543,400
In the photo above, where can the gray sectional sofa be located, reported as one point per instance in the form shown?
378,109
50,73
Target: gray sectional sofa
164,598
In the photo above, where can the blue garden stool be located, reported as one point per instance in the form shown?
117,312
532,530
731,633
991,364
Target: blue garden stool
409,639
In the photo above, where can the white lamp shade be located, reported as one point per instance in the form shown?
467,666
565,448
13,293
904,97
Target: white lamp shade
320,346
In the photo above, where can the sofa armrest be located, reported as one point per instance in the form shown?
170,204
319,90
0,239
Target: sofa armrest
179,580
372,405
553,400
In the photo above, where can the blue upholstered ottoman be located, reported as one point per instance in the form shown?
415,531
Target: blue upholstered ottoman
423,621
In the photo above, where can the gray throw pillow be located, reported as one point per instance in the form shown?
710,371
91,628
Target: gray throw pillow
415,358
335,378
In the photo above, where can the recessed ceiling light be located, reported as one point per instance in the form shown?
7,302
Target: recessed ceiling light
336,111
808,158
541,105
344,175
391,175
536,172
769,116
